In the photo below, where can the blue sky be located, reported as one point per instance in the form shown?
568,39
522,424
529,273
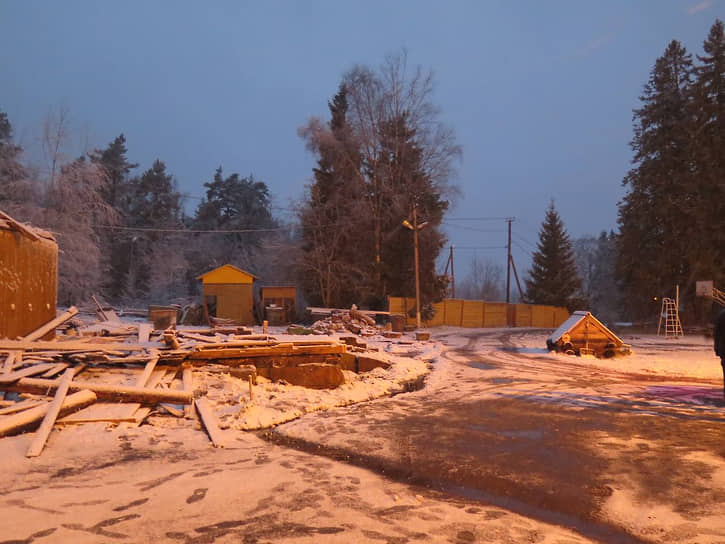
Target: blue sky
540,94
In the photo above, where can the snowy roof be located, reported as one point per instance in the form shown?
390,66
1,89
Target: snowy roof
576,318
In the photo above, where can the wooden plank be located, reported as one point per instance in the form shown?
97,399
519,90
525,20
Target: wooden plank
109,412
59,367
31,418
65,346
20,406
51,325
41,436
31,370
187,378
275,351
10,361
103,391
144,332
209,421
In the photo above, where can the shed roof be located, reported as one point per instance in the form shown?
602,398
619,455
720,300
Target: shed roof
575,320
10,224
227,273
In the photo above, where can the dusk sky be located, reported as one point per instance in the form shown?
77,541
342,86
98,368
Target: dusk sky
540,94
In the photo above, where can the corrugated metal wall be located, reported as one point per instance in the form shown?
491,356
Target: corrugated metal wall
479,314
28,282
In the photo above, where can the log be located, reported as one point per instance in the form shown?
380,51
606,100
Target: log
209,421
31,418
105,392
357,314
51,325
41,436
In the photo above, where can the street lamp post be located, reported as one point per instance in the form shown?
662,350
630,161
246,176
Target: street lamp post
415,227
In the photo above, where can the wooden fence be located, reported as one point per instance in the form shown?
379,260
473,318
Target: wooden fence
479,314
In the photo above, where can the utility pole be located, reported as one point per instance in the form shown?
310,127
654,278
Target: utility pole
509,220
453,276
449,264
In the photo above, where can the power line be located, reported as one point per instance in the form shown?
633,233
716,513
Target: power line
470,228
476,218
478,247
196,231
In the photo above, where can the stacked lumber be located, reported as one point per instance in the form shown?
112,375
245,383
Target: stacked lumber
121,373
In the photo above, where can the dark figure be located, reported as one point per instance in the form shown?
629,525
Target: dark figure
720,344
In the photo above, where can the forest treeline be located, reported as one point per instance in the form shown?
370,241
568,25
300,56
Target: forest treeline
384,157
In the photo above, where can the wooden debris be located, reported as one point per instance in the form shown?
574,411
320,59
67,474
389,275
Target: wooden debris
209,422
31,418
41,436
51,325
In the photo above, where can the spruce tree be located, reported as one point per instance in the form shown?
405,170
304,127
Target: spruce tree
707,246
553,278
16,190
660,210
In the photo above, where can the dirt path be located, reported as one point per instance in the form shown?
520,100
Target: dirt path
169,485
603,452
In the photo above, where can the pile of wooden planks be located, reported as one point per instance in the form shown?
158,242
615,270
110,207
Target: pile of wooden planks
123,378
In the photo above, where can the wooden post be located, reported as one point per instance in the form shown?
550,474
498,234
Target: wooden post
41,436
251,391
265,327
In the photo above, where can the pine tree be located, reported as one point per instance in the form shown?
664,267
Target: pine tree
657,215
16,190
553,278
152,202
330,260
115,245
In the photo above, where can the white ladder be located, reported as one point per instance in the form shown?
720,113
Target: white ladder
671,316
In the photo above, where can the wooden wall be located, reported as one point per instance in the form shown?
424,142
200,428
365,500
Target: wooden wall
233,301
479,314
28,283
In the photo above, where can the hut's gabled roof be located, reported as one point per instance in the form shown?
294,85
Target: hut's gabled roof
227,273
575,320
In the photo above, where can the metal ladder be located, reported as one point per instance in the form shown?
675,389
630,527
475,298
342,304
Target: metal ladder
671,316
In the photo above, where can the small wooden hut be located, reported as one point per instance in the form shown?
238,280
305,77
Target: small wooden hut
229,293
279,304
28,278
584,334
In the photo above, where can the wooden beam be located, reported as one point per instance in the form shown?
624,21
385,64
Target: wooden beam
17,225
104,392
209,421
27,371
20,406
51,325
29,419
65,346
41,436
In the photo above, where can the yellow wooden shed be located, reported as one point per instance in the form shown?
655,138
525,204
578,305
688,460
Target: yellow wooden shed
28,278
229,293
